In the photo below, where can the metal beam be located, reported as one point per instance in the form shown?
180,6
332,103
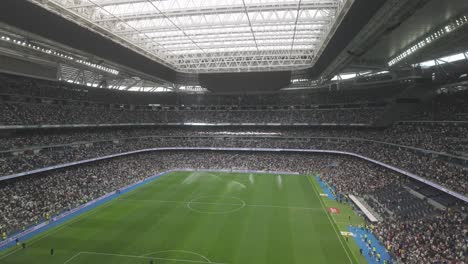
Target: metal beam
295,24
231,26
194,36
250,23
227,37
133,84
226,30
211,40
106,3
217,10
124,2
231,44
204,22
175,25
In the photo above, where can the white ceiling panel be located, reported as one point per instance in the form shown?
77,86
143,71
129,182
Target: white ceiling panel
202,36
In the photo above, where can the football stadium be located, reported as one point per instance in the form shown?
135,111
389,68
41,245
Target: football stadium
233,131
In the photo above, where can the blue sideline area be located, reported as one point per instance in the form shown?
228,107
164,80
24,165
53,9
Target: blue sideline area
325,188
79,212
359,237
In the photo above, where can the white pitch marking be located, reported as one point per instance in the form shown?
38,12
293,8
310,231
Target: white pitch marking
241,205
248,205
143,257
176,250
181,202
73,257
330,220
284,207
77,219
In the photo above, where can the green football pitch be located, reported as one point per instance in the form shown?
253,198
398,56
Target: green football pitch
203,217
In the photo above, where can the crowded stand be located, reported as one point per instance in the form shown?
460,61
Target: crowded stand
241,132
446,138
429,226
451,176
438,237
451,106
412,228
46,112
55,114
26,151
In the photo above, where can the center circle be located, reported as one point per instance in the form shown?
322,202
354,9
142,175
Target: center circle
215,204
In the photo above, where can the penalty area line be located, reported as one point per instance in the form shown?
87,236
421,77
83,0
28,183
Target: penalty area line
140,257
72,258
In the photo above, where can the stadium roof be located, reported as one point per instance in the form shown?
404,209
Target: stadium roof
202,36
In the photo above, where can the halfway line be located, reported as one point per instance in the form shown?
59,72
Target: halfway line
250,205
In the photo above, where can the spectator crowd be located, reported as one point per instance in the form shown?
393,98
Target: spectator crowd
429,144
16,113
30,151
436,237
446,138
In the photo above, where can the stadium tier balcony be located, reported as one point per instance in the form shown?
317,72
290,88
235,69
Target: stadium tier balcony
19,86
54,114
395,146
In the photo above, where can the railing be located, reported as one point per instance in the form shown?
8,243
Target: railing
462,159
432,122
11,127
